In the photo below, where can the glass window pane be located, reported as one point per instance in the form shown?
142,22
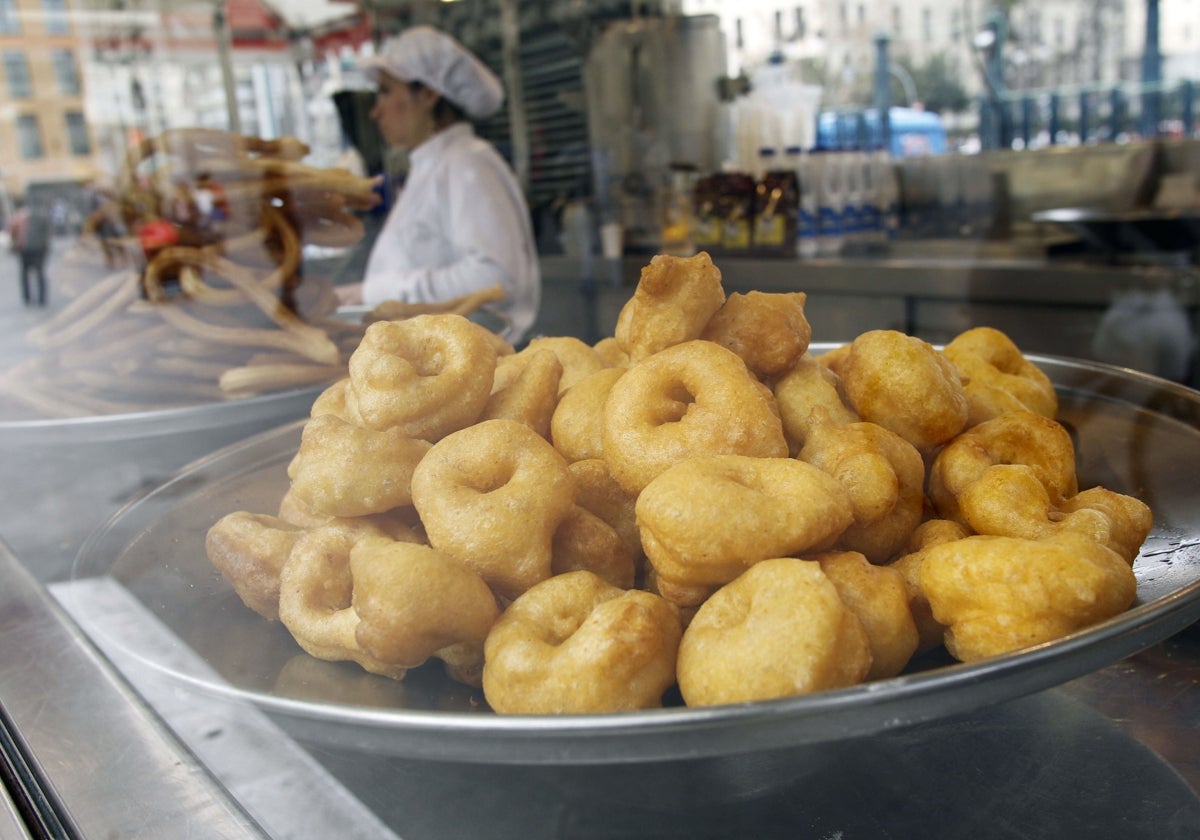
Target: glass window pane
9,23
56,20
66,72
30,136
77,134
16,70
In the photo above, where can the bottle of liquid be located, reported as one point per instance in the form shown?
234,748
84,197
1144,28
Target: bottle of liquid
831,203
806,195
852,227
888,195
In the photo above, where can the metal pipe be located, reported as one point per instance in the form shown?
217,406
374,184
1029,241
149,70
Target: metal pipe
510,37
225,58
1151,73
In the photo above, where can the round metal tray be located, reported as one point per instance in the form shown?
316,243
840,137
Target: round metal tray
1135,434
61,478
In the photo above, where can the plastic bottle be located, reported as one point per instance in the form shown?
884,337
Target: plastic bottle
831,203
888,190
852,227
806,211
872,229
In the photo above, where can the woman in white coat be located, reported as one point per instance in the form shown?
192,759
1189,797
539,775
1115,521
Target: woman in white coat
460,223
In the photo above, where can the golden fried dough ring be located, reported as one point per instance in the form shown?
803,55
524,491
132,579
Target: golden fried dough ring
493,495
574,644
579,360
598,492
1015,437
706,519
905,385
398,523
429,375
526,390
928,534
413,602
345,470
610,351
779,630
249,550
878,595
883,474
807,386
316,597
1000,594
1008,500
768,330
584,541
695,398
577,426
674,300
998,377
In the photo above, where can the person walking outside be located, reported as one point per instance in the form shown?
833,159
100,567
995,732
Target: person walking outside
30,236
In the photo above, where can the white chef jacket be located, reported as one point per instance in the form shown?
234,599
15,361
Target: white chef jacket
460,224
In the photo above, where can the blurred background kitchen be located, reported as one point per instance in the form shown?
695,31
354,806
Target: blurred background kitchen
923,166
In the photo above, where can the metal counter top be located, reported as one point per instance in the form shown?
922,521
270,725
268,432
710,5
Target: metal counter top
1115,754
954,275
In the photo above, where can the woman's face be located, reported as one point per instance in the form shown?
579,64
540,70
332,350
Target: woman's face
404,115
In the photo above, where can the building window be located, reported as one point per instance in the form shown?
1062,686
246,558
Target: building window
1060,33
29,137
9,24
955,25
57,22
897,21
801,24
927,24
77,134
67,73
16,70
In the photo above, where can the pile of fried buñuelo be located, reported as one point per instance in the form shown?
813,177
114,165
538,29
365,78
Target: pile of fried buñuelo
696,501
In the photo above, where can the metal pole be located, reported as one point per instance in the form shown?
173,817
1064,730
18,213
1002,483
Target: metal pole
1116,104
1151,73
883,93
225,56
510,36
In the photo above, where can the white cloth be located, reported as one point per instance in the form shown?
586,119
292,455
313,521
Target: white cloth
433,58
460,224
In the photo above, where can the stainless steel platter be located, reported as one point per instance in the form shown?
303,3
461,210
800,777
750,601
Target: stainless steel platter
1134,433
61,478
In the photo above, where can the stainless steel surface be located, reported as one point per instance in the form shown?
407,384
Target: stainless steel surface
60,479
1135,434
1100,757
12,827
90,743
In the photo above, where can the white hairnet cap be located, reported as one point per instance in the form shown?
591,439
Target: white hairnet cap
430,56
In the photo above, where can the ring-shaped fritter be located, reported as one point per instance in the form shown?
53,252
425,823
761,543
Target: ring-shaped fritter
428,375
998,376
692,399
493,495
705,520
1015,437
575,644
